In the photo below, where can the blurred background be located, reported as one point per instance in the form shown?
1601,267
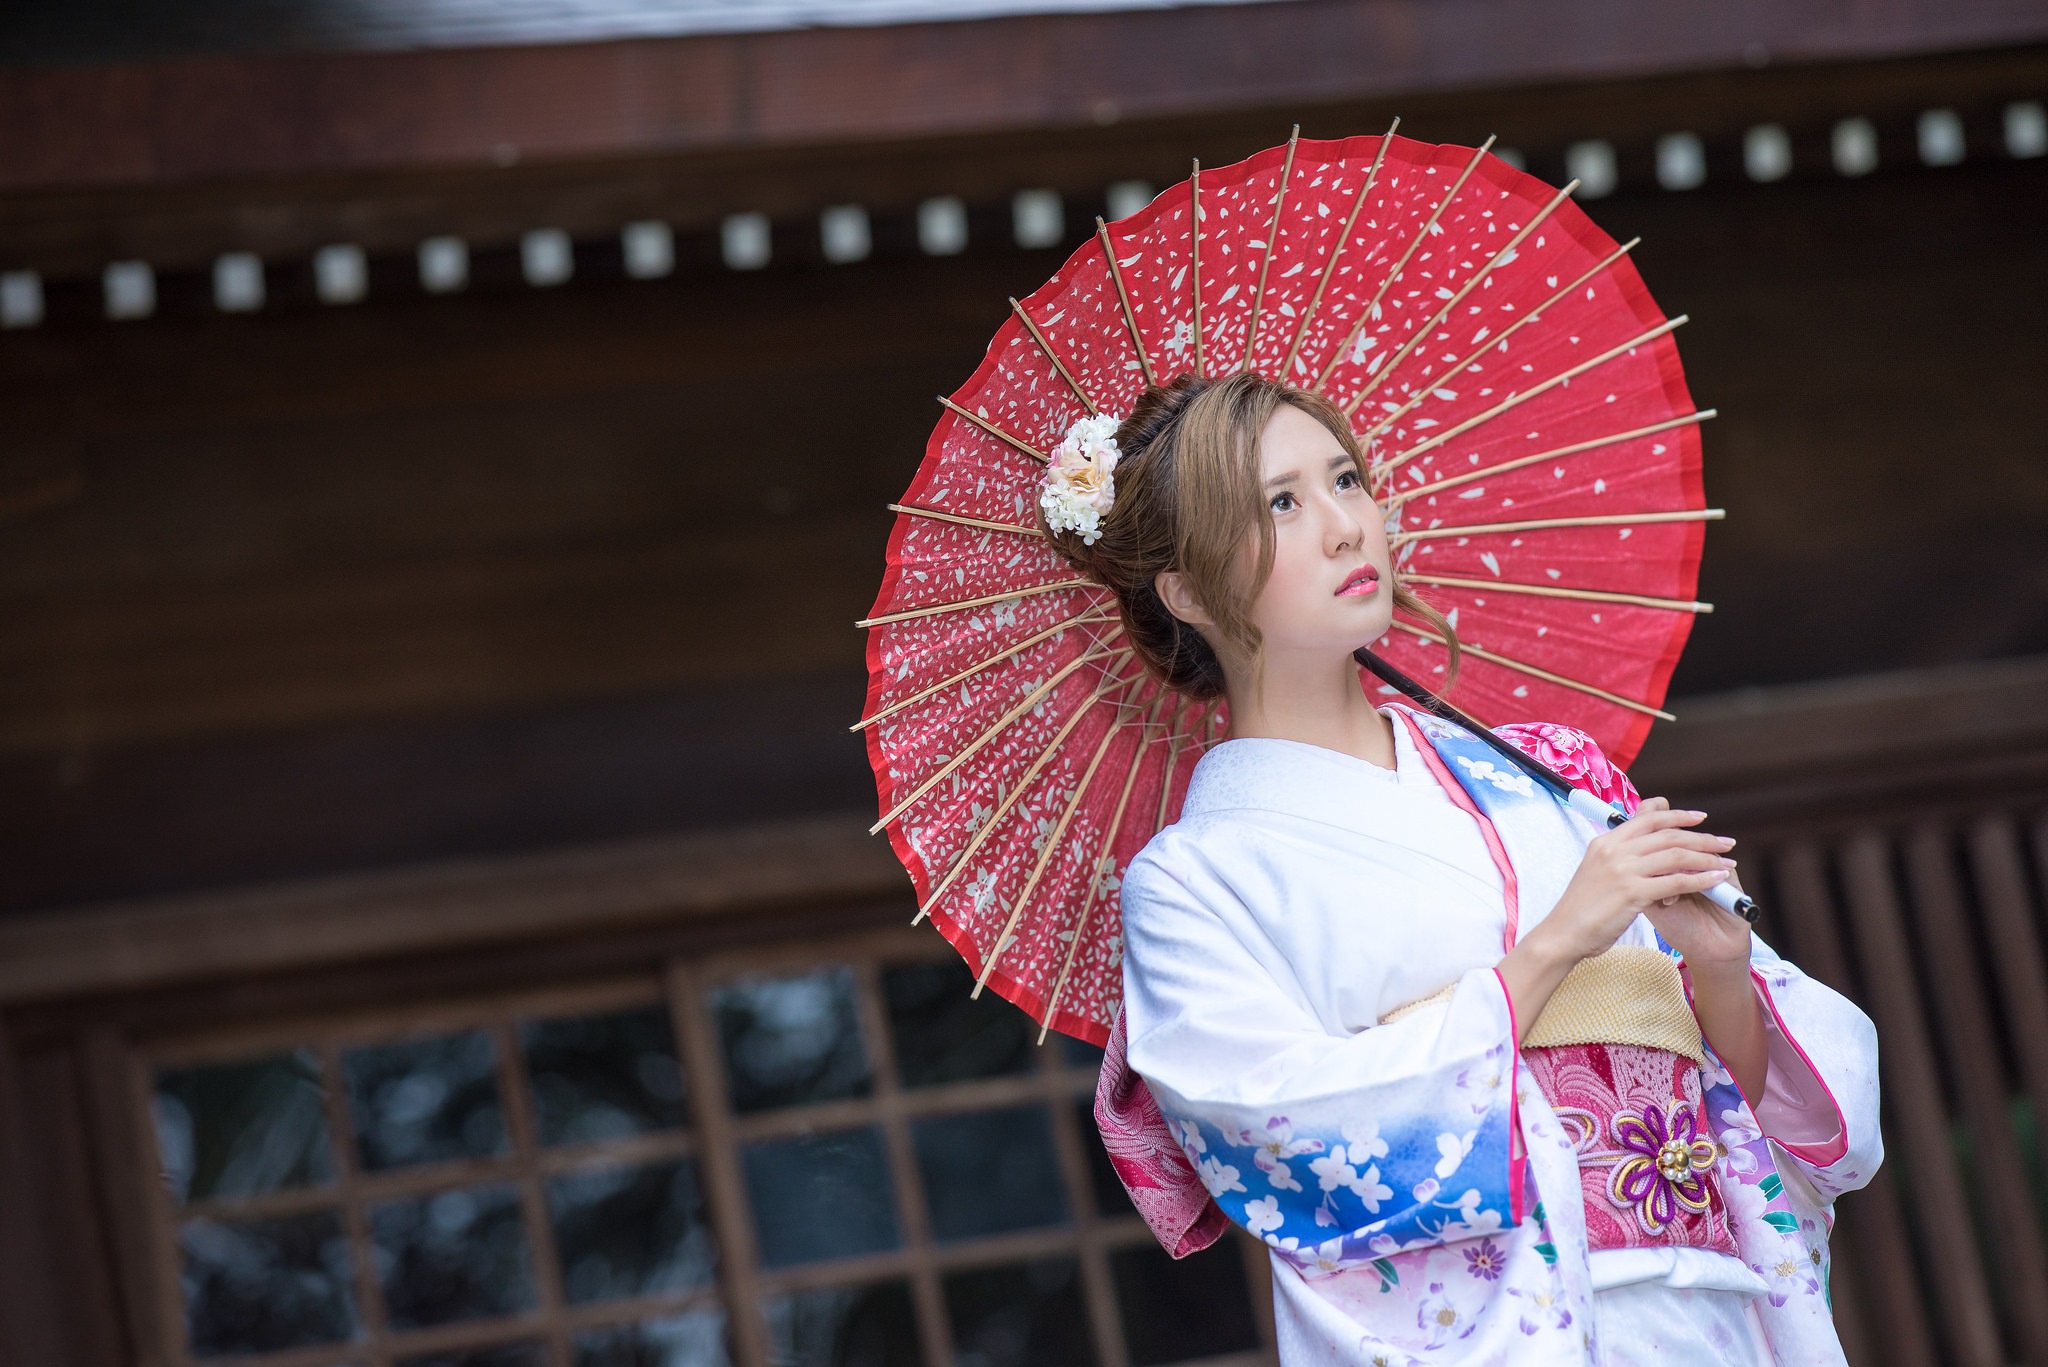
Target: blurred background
443,449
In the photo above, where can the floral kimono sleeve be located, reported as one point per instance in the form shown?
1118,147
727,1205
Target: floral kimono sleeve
1819,1105
1336,1149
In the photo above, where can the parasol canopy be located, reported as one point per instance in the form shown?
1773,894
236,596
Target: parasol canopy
1530,438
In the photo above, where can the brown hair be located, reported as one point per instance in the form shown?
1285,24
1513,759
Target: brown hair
1187,497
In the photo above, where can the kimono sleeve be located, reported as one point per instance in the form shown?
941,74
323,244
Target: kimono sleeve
1334,1148
1820,1101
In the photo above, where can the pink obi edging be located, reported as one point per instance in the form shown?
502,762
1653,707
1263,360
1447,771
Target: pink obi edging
1648,1160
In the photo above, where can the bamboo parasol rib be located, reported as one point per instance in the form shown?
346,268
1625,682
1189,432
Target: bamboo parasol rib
1053,356
1544,524
1251,327
1499,341
1337,252
1105,860
1422,333
1195,254
965,604
1560,591
1371,310
931,690
996,728
1123,296
1395,500
1045,855
998,433
1517,399
961,519
1510,662
1012,798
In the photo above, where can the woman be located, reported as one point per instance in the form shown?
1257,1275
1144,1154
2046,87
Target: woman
1493,1086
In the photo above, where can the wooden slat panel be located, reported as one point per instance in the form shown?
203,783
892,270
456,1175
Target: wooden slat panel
2012,925
1969,1043
1970,1328
1882,1320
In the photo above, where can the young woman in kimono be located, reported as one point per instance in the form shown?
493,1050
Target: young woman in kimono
1492,1085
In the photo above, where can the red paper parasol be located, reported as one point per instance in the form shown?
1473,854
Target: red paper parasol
1528,424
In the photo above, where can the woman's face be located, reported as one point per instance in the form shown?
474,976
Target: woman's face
1331,588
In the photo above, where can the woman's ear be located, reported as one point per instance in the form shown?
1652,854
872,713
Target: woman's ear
1174,591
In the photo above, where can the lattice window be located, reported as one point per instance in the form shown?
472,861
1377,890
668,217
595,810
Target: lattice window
871,1167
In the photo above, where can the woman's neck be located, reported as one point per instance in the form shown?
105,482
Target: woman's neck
1315,703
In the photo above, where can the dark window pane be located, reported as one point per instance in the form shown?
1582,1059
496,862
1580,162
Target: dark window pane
1110,1196
240,1129
603,1077
942,1034
791,1040
455,1255
821,1196
630,1231
696,1339
498,1355
1079,1053
989,1171
259,1285
1026,1316
863,1326
425,1100
1196,1308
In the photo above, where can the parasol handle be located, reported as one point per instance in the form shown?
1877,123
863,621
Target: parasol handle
1601,814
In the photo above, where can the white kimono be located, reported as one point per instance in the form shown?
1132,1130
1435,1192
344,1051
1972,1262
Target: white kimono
1420,1197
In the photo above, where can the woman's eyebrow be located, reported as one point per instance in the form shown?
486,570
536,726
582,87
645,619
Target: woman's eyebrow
1339,461
1278,480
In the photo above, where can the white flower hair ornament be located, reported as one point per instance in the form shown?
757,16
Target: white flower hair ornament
1080,479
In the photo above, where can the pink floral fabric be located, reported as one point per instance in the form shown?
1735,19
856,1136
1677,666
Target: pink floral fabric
1576,757
1647,1156
1148,1159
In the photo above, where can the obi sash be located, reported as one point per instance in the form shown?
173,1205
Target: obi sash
1617,1053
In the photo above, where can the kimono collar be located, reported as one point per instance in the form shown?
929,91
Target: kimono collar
1258,773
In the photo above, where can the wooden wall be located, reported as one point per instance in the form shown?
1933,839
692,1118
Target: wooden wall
322,588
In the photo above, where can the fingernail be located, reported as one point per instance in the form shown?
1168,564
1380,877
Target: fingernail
1720,874
1727,863
1727,842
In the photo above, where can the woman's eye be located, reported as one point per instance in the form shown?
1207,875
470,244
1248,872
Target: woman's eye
1350,480
1281,502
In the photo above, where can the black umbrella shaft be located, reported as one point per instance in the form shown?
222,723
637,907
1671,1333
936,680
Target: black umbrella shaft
1737,904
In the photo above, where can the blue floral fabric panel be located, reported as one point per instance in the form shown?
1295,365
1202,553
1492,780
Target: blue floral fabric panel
1331,1198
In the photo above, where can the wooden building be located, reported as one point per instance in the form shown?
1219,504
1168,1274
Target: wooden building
443,454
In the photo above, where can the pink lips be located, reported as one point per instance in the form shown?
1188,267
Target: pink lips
1361,582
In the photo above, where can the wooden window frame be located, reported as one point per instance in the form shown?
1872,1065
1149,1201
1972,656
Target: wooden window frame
714,1137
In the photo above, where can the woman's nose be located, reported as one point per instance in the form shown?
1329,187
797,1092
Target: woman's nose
1341,528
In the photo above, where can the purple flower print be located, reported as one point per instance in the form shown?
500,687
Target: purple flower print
1546,1310
1485,1261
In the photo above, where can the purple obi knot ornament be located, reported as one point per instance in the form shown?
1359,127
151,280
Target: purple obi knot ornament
1666,1167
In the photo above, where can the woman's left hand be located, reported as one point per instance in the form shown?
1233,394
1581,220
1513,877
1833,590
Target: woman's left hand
1707,936
1716,949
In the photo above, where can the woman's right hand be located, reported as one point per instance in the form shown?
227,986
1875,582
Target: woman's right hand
1649,859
